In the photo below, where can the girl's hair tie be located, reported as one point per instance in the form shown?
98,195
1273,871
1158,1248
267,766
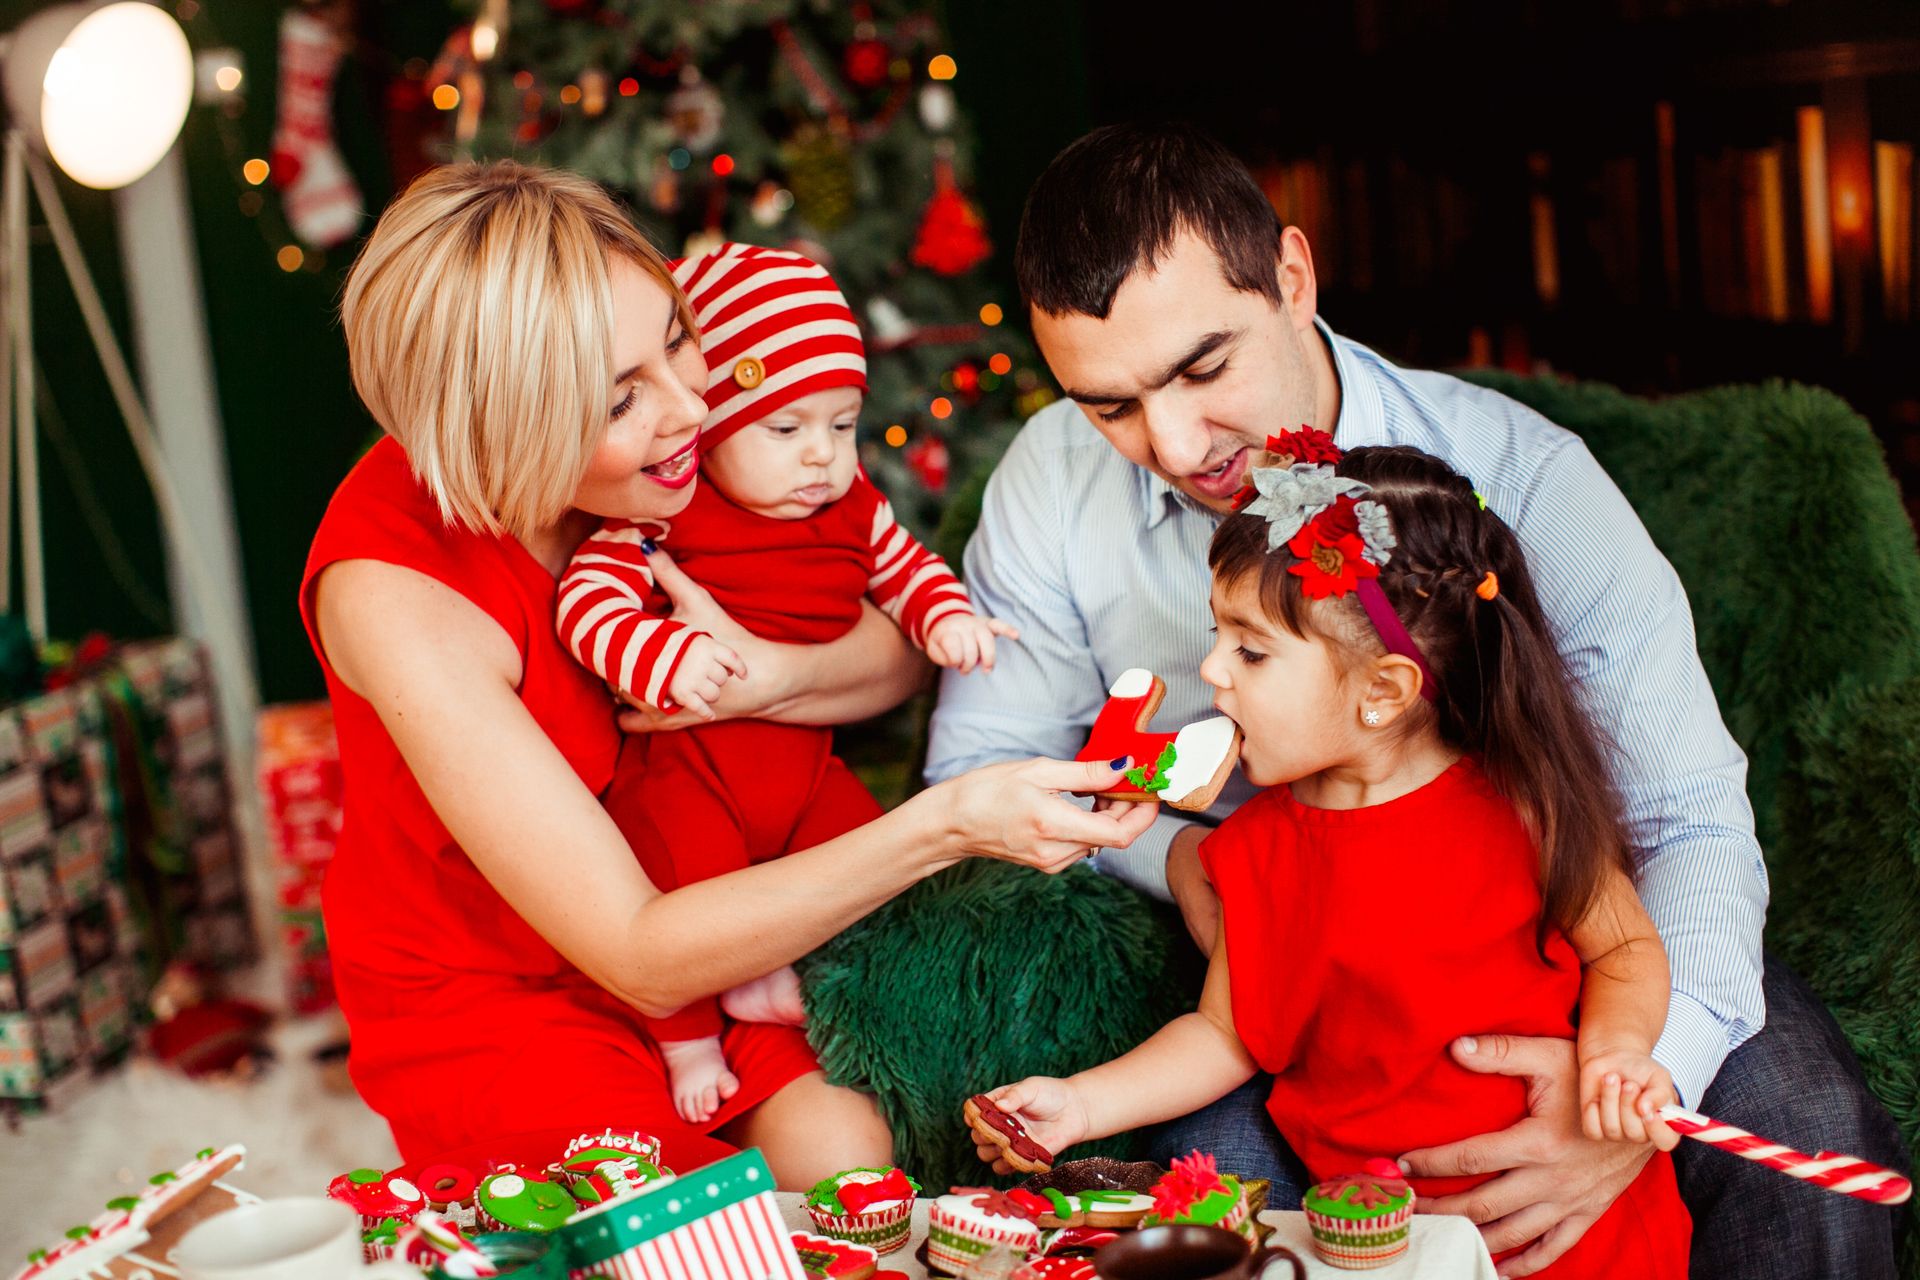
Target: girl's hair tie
1489,586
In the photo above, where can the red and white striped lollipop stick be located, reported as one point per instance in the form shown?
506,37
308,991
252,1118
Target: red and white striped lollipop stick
1847,1175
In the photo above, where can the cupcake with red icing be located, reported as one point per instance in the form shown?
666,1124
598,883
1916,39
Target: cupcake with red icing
377,1196
1361,1220
1194,1193
873,1207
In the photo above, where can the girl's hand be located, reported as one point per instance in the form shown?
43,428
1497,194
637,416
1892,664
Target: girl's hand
1015,812
962,641
1053,1111
1621,1093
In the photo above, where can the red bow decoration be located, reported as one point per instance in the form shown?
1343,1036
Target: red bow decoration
854,1197
1192,1179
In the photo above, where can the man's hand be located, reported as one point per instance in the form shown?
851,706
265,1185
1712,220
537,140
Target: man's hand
1187,881
1551,1183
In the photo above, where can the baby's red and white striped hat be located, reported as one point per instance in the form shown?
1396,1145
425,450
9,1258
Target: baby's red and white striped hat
773,327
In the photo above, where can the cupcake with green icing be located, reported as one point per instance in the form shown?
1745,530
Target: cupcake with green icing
873,1207
1361,1220
517,1202
1194,1193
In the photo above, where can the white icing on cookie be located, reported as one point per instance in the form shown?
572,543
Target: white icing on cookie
506,1186
1134,682
1198,750
1134,1203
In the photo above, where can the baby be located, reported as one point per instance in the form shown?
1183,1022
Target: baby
789,537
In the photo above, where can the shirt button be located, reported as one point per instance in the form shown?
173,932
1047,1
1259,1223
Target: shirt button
749,373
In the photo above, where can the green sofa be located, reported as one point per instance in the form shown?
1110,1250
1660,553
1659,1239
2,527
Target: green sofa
1775,506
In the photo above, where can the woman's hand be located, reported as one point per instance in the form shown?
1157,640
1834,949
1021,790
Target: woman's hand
1015,812
1054,1113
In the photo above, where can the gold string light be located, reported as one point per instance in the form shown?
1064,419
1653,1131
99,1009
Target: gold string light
896,435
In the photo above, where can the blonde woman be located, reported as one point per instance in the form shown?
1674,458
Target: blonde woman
495,942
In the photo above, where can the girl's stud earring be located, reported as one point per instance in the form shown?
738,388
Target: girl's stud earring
1370,718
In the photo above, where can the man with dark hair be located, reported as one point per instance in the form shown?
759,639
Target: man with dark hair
1181,319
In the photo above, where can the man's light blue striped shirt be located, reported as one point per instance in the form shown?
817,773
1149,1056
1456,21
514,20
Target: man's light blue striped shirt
1103,566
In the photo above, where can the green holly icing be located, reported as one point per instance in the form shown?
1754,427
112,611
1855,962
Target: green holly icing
204,1153
125,1204
1211,1209
365,1177
1341,1206
162,1179
1062,1207
1153,778
37,1256
78,1233
387,1232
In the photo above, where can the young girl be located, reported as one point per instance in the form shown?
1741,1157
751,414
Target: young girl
789,537
1439,852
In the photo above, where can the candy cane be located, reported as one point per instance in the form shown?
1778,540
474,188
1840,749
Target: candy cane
1847,1175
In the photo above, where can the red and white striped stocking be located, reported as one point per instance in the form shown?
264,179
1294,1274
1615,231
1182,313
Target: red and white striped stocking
321,198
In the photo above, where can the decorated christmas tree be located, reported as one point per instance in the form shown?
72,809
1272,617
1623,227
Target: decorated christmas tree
828,128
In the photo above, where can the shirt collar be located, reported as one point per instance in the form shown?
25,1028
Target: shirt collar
1362,421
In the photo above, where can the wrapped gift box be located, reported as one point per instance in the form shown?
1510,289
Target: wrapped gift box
300,789
717,1223
41,1056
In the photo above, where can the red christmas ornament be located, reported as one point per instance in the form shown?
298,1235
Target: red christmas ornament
966,380
930,461
866,63
952,239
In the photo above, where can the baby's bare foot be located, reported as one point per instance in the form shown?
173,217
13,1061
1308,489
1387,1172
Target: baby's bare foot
774,998
698,1077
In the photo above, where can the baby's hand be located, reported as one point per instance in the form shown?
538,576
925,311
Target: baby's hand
962,641
704,670
1053,1112
1621,1093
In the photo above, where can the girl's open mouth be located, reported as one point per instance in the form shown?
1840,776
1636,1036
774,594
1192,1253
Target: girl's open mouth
677,470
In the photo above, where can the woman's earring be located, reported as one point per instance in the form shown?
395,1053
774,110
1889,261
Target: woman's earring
1370,718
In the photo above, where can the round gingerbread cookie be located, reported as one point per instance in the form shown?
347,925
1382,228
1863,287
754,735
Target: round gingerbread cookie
515,1202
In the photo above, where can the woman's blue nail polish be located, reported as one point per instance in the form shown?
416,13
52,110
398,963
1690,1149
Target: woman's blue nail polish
1121,763
647,546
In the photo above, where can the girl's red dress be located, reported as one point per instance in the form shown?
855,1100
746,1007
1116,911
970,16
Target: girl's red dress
466,1024
1362,942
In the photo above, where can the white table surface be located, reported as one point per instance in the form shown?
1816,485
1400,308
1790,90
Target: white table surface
1444,1248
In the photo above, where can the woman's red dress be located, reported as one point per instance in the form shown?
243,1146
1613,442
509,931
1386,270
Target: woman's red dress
466,1024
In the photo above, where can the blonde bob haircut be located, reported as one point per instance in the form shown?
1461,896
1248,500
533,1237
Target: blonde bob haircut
479,323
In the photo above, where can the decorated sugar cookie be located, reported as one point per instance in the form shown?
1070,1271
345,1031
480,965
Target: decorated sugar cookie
873,1207
1185,770
1105,1209
520,1202
136,1231
1005,1131
827,1259
968,1223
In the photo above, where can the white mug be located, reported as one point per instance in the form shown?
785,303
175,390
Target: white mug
308,1238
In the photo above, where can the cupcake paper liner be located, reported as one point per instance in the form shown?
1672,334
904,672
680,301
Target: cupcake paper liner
1361,1245
883,1230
